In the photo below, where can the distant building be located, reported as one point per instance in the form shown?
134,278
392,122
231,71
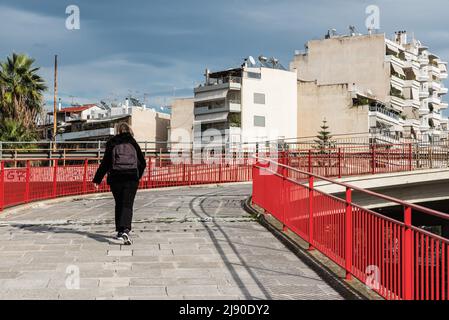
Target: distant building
181,123
254,102
368,83
93,123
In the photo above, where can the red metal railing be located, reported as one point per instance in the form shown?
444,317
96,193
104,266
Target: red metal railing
22,181
395,258
368,159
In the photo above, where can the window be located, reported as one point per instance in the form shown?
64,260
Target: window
259,98
259,121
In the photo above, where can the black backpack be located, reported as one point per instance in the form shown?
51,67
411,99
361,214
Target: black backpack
124,157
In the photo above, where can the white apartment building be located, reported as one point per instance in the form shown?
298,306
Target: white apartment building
251,103
395,86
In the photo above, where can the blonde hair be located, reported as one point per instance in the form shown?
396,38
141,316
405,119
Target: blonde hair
123,127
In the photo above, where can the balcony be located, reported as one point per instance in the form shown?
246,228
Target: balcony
397,82
395,61
227,83
423,60
411,84
231,106
424,92
435,71
380,113
434,99
411,103
443,75
396,103
443,90
423,76
415,65
412,123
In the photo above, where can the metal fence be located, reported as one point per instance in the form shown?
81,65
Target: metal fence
395,258
23,181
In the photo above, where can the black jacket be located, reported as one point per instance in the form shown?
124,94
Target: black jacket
106,163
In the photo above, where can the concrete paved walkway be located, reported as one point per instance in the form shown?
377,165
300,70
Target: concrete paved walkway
189,243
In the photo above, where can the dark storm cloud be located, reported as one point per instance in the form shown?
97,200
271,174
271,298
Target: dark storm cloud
161,47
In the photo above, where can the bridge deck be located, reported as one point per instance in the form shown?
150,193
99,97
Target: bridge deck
189,243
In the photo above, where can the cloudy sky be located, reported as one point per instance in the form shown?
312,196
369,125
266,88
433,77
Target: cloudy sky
160,48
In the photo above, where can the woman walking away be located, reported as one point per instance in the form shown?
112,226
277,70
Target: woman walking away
124,163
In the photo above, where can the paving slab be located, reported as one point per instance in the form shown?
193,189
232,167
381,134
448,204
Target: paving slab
189,243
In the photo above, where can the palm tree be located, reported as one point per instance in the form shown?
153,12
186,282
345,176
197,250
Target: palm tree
21,90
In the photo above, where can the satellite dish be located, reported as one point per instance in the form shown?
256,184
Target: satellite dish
263,59
251,60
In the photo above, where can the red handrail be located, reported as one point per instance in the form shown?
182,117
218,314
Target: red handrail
394,258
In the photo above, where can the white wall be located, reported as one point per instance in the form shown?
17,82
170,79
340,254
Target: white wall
279,110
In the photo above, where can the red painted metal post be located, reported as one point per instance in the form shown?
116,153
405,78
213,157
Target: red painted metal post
310,161
85,177
373,160
27,182
184,173
149,173
311,213
284,199
410,157
2,185
339,162
407,265
55,177
348,234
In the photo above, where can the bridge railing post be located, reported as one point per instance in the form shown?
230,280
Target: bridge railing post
407,264
348,234
84,190
27,181
311,193
373,159
55,178
284,199
2,185
410,157
309,158
339,162
149,173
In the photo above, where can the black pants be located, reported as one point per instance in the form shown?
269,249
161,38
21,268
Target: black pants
124,194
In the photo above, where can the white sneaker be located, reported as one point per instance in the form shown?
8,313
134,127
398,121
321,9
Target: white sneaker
126,239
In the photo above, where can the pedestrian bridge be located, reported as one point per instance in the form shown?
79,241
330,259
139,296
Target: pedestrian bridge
189,243
395,257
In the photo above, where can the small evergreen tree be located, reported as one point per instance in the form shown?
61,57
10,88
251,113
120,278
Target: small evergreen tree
324,137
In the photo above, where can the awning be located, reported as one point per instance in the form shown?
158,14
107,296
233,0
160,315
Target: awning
398,70
211,117
392,47
211,95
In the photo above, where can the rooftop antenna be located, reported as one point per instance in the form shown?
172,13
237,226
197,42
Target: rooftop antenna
252,61
352,30
55,113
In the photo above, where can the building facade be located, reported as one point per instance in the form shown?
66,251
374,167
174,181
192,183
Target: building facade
92,123
255,102
180,132
396,84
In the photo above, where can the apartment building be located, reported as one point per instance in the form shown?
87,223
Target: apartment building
92,123
254,102
379,85
180,132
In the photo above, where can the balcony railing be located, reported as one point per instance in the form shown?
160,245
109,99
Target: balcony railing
384,112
